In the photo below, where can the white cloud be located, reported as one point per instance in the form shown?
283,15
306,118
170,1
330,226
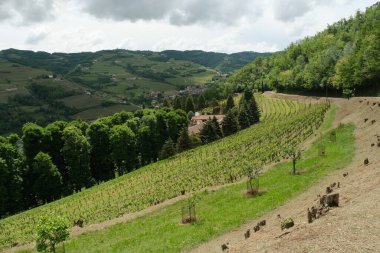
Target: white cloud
26,12
213,25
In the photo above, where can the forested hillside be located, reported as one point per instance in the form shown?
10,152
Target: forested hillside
345,56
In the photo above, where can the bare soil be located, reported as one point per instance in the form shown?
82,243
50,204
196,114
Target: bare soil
354,226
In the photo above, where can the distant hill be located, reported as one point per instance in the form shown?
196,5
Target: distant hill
219,61
345,56
42,87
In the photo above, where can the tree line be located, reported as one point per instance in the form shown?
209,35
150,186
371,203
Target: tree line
46,163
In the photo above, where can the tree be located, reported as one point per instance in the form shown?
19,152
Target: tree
253,171
48,185
76,153
230,124
167,103
217,128
33,142
146,146
177,103
183,142
176,121
123,148
209,133
168,149
243,117
161,128
230,103
54,143
253,111
295,154
12,167
102,168
52,230
190,115
190,104
201,102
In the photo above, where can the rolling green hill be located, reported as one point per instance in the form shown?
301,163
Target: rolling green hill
42,87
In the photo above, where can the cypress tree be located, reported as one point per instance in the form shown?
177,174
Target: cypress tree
230,103
177,103
201,102
183,142
230,124
189,104
208,133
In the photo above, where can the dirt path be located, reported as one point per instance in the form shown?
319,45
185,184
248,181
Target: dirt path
353,227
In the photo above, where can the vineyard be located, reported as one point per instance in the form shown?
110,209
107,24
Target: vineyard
284,123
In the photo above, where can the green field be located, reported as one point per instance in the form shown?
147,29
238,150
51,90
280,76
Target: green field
217,163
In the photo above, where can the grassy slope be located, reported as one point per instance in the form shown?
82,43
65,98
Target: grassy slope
221,210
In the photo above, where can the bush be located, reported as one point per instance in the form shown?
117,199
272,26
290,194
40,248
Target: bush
51,230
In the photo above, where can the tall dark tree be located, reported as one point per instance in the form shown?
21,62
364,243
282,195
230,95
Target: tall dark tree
190,107
161,128
54,140
230,124
230,103
217,128
102,168
76,153
33,142
177,103
253,111
176,121
168,149
123,148
243,117
48,185
11,172
201,102
208,132
146,146
183,142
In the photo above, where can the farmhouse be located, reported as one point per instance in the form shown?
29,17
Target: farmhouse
200,119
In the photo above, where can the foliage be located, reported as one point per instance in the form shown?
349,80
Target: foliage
51,231
48,183
168,149
343,56
76,154
183,142
230,124
230,103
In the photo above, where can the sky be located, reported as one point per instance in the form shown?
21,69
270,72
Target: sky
211,25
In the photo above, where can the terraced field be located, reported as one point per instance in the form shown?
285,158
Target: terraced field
214,164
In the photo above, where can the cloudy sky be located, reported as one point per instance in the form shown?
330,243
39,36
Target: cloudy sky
211,25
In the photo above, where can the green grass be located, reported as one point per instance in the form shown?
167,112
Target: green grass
329,118
222,210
